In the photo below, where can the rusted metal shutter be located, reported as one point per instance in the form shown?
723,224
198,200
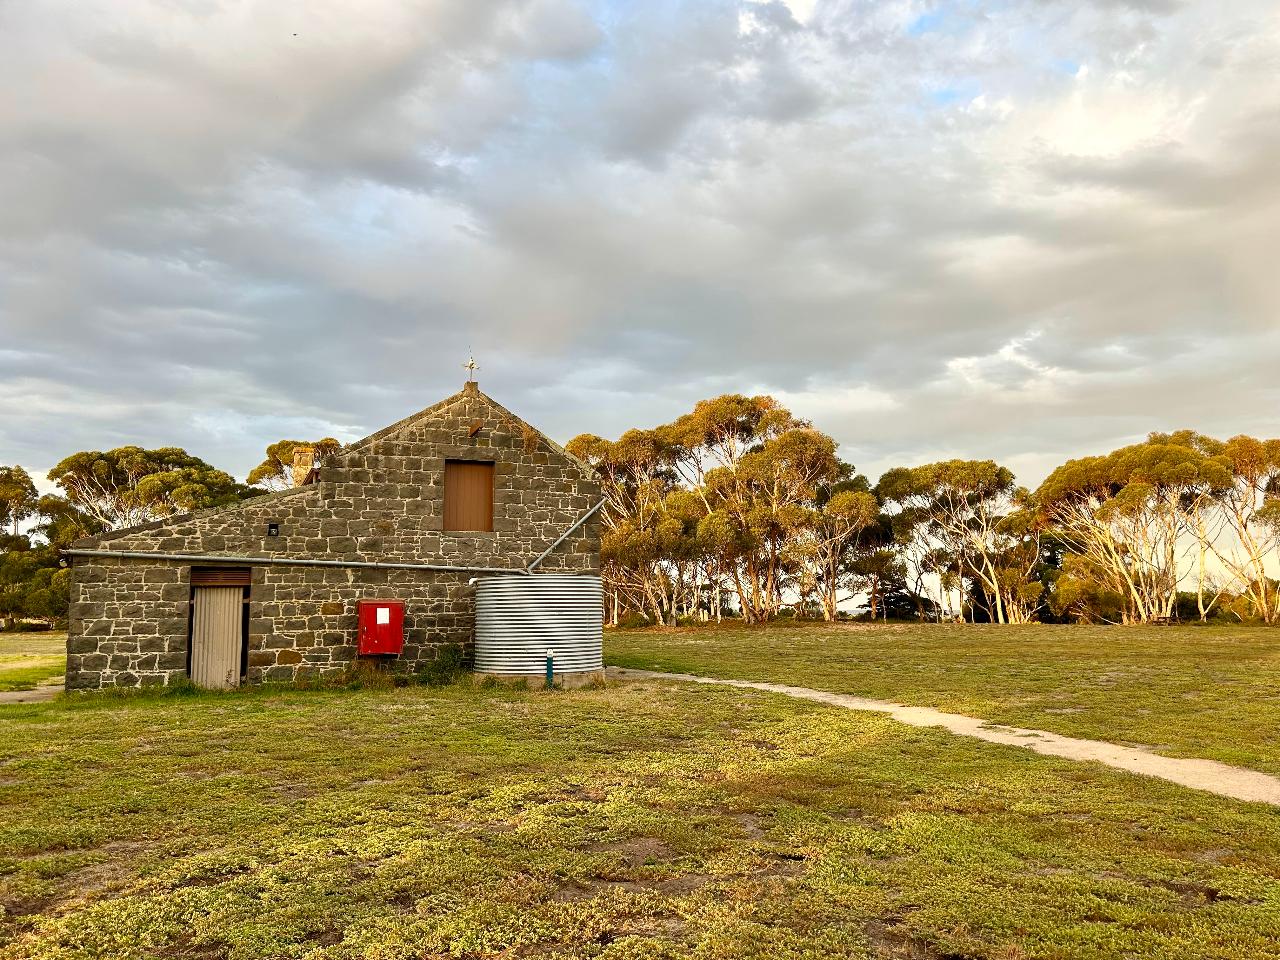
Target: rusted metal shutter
220,576
215,636
468,495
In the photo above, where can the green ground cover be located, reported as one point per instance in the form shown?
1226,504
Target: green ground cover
29,659
644,820
1185,691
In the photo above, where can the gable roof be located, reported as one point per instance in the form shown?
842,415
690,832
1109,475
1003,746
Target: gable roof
409,421
426,414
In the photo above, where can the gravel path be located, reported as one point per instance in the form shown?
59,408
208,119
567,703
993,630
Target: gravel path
46,691
1219,778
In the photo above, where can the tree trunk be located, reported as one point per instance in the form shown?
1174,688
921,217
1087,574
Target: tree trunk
1204,613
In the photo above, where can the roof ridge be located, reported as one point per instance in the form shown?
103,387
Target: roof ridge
401,423
436,407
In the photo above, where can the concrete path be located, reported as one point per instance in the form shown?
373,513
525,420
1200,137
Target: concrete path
46,691
1219,778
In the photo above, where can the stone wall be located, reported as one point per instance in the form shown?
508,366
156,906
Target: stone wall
380,499
129,622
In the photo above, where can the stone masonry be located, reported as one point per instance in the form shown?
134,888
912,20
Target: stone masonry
378,499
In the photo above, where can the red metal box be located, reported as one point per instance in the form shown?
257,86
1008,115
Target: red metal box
381,626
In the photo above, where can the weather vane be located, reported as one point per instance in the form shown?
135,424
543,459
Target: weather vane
471,367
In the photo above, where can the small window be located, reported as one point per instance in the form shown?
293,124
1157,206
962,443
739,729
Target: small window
468,495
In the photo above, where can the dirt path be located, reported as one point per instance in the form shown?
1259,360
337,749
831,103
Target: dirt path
45,691
1219,778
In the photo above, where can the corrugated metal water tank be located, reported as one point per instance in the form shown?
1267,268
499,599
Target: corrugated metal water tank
519,618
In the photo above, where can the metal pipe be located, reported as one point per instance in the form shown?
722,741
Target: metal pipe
288,561
564,536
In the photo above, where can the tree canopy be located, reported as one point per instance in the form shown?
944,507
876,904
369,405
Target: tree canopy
1129,512
130,485
18,497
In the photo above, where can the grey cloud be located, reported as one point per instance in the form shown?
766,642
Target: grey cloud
212,231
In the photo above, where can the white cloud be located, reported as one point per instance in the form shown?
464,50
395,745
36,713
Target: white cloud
819,403
223,221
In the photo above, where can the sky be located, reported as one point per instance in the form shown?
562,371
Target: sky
1020,231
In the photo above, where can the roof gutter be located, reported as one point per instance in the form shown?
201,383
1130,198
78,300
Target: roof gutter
286,561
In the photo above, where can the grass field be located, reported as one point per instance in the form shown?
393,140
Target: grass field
647,820
654,819
29,659
1184,691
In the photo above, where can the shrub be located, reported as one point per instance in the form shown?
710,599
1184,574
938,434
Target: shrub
449,664
31,626
634,621
363,675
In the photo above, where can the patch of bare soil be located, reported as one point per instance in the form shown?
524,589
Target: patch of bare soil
106,876
294,791
890,940
91,882
636,851
750,823
1195,894
44,692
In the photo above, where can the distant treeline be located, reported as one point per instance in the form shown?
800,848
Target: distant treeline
739,508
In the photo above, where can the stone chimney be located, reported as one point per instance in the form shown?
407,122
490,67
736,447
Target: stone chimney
304,461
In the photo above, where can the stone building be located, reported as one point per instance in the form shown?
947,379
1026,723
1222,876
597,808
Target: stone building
412,513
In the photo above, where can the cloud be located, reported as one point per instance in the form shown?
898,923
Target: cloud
1027,231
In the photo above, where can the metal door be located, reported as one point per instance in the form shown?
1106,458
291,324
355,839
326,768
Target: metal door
215,637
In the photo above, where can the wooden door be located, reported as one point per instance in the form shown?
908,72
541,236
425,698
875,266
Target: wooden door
216,636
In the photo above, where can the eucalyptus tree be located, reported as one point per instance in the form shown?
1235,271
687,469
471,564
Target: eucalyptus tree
766,500
959,514
1249,508
841,515
722,543
876,566
1126,511
18,497
913,541
1081,593
683,554
1022,561
716,434
636,475
754,466
61,522
31,582
130,485
19,566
